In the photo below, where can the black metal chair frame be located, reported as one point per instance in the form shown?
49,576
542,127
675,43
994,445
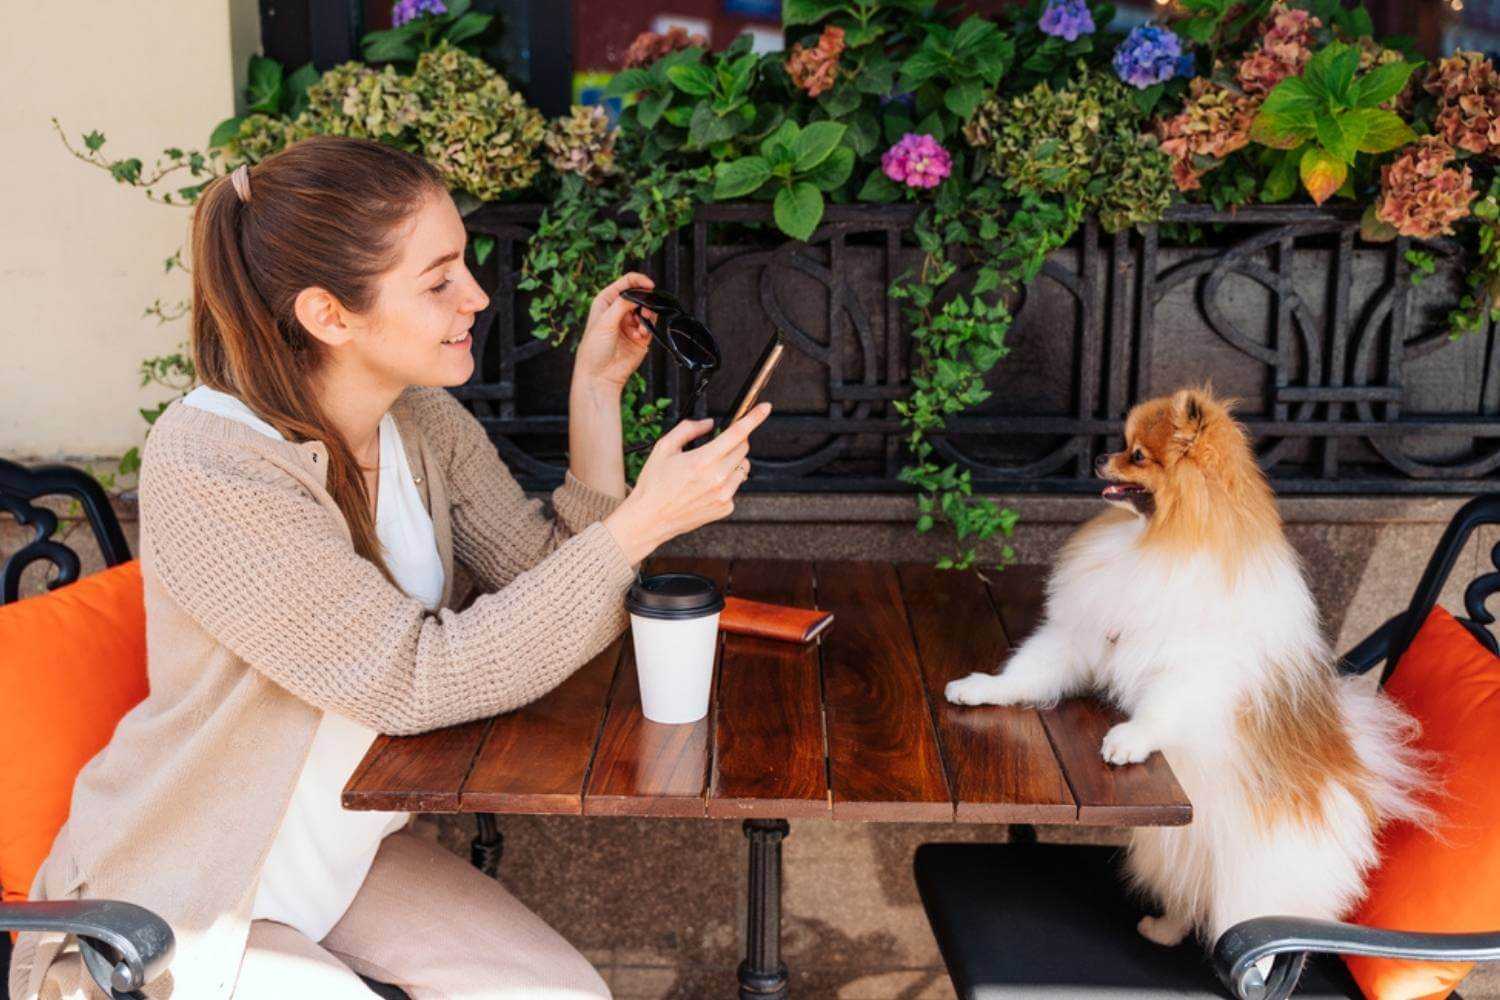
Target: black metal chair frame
1289,941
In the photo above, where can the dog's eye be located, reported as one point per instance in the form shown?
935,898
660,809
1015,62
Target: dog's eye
1137,456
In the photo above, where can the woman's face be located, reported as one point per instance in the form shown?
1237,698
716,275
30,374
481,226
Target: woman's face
418,331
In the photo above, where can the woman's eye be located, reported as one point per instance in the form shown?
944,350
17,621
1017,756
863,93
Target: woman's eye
439,287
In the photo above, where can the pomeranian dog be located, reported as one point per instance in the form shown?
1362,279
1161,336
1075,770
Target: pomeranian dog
1185,605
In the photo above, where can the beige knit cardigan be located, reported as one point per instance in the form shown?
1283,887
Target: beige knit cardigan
259,617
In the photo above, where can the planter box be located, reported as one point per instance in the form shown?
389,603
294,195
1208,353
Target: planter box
1345,375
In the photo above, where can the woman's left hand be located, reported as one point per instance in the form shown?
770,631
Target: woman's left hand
615,343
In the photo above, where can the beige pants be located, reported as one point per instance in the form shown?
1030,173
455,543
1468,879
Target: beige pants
425,921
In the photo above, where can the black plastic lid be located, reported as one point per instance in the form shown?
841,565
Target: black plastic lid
674,596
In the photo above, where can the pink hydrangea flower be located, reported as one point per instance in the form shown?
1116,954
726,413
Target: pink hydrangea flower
917,161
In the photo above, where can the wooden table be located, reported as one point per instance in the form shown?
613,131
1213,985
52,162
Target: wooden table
854,727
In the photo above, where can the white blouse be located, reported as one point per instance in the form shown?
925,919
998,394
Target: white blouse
322,852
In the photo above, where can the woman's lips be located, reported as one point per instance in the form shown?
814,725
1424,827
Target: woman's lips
467,338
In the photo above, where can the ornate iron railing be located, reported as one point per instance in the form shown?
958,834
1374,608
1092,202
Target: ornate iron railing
1345,374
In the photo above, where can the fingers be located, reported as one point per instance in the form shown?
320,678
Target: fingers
678,437
632,279
732,483
738,432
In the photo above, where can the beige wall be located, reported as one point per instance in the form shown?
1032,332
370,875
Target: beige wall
81,256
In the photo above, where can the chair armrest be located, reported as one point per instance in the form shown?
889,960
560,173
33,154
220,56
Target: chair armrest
1373,648
123,945
1290,939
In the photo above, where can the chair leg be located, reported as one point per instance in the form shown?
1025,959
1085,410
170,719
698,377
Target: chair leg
487,845
763,975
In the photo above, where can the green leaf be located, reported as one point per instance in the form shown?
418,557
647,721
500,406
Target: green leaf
805,11
921,65
841,100
628,81
815,142
876,75
963,98
931,125
1287,116
467,27
895,126
1330,72
692,78
972,33
648,109
798,210
778,144
1146,99
484,245
879,188
263,85
1381,84
1281,181
389,46
833,171
1380,131
294,90
863,134
224,131
681,116
1338,135
707,128
738,178
1323,173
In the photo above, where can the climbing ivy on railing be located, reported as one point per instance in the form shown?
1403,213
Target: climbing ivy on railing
958,335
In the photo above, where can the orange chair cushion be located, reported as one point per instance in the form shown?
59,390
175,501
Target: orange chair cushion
74,663
1447,880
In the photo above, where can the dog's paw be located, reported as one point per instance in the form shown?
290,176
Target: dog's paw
978,689
1163,931
1127,743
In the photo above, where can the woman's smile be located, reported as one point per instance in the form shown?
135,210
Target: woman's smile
460,341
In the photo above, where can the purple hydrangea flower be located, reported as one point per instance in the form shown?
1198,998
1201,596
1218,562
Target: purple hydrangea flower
1067,19
1148,55
917,161
406,10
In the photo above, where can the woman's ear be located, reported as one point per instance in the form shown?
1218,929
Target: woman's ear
324,317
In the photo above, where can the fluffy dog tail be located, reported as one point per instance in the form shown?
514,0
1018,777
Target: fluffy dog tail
1400,781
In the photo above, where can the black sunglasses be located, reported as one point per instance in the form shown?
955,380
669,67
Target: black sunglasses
684,336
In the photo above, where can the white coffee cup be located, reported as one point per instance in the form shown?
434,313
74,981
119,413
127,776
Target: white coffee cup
674,622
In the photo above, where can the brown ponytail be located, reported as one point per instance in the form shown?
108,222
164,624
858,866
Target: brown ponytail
325,212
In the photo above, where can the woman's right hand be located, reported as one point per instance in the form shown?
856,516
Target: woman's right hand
678,490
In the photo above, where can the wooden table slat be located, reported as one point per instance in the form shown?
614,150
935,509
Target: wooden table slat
1000,762
1144,794
419,773
883,754
535,759
644,768
769,758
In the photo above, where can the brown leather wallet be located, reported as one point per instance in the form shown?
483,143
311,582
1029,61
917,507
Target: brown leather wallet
772,621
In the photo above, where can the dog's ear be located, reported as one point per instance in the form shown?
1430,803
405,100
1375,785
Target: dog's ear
1189,415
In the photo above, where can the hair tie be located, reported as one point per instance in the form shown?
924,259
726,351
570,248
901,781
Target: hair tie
240,178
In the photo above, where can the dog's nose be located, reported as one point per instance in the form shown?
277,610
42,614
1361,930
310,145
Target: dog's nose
1100,463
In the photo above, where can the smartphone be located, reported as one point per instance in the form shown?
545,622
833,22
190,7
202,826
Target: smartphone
760,375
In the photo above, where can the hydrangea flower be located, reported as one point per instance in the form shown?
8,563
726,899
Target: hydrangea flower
1149,55
583,143
407,10
1285,47
1468,92
1421,195
649,46
1213,123
1067,19
815,69
918,161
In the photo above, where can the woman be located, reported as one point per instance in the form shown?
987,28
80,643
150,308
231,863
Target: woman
302,514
